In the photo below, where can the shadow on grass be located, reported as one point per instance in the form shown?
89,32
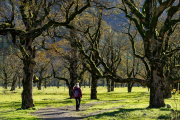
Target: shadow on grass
164,117
165,109
10,105
15,105
120,110
122,95
126,111
63,118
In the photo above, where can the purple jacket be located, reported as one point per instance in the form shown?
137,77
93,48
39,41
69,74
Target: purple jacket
80,92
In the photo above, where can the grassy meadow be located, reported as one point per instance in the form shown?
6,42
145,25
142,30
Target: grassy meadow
133,105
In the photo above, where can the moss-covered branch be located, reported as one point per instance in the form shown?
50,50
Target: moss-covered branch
4,30
60,78
160,9
138,25
170,53
135,11
169,24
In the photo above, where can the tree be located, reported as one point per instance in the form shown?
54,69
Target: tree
112,51
35,18
94,39
10,70
155,51
71,61
42,68
155,45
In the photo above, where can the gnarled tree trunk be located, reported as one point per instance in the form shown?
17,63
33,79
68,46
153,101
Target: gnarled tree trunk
27,93
167,90
94,86
94,78
73,77
73,65
156,86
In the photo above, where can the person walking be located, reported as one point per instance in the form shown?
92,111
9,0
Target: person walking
77,94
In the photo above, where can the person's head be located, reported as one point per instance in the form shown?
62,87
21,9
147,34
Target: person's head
77,85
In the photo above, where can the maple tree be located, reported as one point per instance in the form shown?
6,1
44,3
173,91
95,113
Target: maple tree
35,18
155,42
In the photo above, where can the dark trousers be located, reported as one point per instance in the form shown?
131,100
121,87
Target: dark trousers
78,100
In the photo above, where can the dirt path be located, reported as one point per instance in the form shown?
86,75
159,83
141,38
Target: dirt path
69,112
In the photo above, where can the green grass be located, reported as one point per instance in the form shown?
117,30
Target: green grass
131,105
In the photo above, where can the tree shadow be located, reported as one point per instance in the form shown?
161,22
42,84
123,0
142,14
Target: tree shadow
64,118
164,117
120,110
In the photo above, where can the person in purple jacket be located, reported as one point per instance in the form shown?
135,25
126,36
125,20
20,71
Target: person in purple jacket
77,94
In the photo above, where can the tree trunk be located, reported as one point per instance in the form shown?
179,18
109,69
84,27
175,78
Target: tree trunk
19,83
71,91
45,83
5,81
49,84
73,76
89,82
27,93
94,86
39,83
14,83
5,84
73,64
84,83
156,86
167,93
103,82
112,85
5,77
108,84
58,84
175,86
167,90
130,85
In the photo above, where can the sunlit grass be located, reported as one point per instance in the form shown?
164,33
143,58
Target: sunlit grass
131,105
